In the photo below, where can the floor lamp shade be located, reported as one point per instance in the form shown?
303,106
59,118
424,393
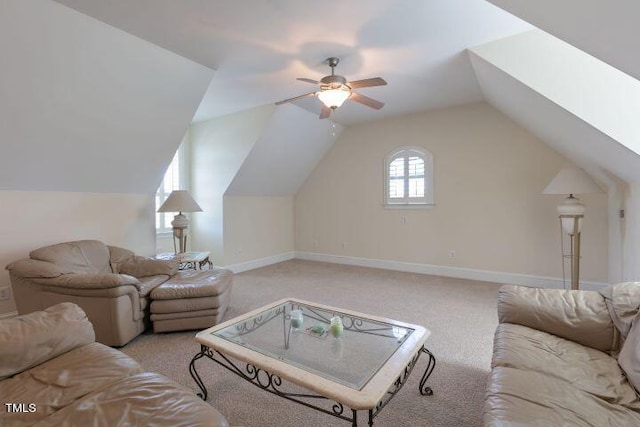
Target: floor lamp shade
572,181
180,201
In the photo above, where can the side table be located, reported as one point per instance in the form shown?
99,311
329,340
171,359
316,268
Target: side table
188,260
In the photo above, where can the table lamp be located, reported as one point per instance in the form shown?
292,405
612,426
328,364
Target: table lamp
180,201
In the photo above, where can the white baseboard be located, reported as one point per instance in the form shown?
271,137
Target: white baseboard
8,315
439,270
261,262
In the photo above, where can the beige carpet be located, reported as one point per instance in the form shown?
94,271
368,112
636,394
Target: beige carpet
461,315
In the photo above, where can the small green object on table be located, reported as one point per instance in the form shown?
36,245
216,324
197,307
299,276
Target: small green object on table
317,331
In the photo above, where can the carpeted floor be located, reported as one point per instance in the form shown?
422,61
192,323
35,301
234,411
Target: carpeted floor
461,315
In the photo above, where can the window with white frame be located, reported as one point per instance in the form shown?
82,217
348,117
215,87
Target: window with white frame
408,178
173,180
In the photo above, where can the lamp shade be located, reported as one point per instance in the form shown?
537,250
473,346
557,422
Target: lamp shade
572,181
333,98
180,201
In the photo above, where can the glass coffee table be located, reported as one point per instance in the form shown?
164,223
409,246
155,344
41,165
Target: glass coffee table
337,361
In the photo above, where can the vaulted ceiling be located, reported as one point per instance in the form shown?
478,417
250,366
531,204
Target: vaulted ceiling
104,90
259,47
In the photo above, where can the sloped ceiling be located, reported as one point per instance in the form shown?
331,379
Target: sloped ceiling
565,132
259,47
592,90
86,107
289,148
607,30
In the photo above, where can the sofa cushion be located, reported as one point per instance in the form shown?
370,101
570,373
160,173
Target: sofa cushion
585,368
190,304
34,338
145,399
579,316
194,284
117,256
187,314
139,266
629,357
82,256
62,380
149,283
527,398
187,323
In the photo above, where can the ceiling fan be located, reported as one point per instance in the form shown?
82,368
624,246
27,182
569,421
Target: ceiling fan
335,89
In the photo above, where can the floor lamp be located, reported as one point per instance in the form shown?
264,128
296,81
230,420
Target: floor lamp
180,201
571,212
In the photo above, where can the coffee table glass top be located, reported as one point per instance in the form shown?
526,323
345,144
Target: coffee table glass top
363,347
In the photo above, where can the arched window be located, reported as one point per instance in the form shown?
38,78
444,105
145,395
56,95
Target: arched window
408,178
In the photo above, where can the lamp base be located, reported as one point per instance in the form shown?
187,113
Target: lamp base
180,225
180,234
180,221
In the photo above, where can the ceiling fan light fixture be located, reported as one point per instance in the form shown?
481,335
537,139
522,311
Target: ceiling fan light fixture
335,90
334,98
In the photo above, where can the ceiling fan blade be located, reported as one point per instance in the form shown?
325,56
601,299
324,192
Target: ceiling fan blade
326,112
375,81
365,100
306,95
313,82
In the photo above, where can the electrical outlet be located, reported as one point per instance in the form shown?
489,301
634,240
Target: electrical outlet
344,245
5,293
452,254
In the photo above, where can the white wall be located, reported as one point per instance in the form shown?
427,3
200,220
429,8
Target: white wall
218,149
631,233
31,219
257,227
489,177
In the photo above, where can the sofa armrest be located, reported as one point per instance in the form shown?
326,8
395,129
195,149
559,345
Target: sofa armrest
34,338
33,268
579,316
139,266
88,281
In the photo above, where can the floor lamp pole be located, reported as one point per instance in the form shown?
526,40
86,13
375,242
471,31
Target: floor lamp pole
574,253
575,261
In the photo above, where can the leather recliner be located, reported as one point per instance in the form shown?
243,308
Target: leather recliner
111,284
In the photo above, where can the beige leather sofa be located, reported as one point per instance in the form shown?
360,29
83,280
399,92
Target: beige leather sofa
113,286
555,358
52,373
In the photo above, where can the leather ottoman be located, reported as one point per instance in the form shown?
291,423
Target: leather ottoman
192,299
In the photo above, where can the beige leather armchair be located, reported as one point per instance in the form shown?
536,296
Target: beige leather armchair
111,284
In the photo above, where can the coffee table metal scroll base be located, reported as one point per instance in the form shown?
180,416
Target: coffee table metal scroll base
273,384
